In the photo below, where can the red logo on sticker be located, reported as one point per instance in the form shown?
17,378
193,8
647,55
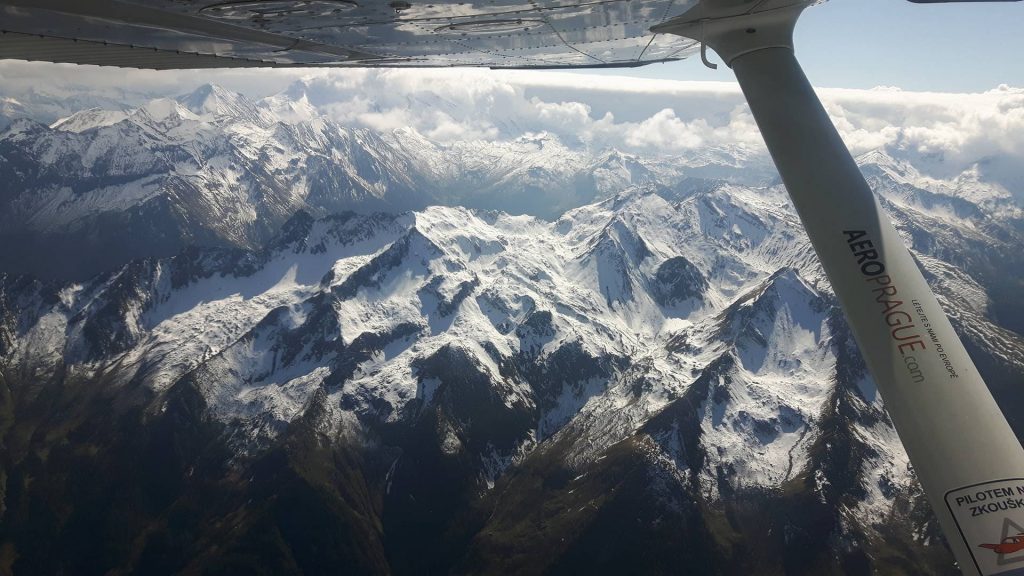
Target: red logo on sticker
1009,545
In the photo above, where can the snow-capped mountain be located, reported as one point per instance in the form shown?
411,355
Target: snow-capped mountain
582,361
49,104
655,380
100,187
212,168
92,190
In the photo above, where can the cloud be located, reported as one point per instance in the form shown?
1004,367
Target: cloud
643,115
659,116
958,129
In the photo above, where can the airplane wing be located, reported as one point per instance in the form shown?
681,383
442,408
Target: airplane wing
168,34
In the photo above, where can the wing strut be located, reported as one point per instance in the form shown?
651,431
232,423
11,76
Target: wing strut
966,457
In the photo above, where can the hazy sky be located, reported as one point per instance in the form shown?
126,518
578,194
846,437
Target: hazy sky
955,47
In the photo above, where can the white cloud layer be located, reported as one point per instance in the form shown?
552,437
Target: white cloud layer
642,115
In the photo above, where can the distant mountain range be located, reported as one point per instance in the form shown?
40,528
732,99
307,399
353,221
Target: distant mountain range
99,188
260,342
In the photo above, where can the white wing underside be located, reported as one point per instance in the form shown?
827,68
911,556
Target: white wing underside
165,34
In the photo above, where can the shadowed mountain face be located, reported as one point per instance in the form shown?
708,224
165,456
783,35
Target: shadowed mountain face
655,381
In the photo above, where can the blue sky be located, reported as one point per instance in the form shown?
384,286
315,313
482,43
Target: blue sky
957,47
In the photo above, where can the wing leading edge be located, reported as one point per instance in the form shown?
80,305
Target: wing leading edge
166,34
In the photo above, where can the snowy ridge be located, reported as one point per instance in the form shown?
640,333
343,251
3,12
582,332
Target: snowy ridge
217,168
662,352
560,322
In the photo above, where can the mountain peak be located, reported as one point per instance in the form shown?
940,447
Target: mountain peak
87,119
784,285
291,106
205,90
22,126
877,156
213,101
208,90
164,109
297,91
11,107
880,157
540,139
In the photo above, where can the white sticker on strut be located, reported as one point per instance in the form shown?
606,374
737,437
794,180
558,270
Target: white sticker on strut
990,518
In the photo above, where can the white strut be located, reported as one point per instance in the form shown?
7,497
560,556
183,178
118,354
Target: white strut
966,456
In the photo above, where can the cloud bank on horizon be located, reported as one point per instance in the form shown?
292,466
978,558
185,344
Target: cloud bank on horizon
947,131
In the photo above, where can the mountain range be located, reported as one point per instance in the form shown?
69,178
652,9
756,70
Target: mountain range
237,337
99,187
